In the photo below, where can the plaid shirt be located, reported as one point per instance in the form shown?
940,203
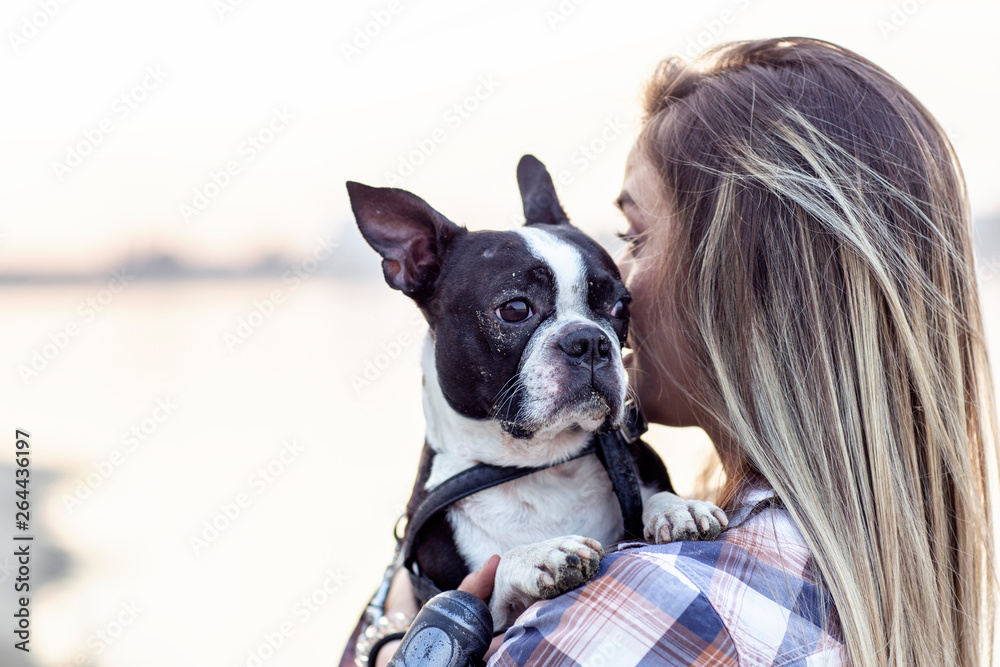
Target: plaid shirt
751,597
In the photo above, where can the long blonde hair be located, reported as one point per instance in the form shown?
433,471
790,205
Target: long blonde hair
823,241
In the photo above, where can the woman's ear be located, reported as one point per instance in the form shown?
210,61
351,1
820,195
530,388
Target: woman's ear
538,194
407,232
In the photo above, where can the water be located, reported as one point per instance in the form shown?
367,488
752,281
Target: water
211,423
299,444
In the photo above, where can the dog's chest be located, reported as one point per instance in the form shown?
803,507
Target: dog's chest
574,498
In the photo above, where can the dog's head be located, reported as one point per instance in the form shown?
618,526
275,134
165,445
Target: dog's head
528,325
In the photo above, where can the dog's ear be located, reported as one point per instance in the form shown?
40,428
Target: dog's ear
407,232
538,194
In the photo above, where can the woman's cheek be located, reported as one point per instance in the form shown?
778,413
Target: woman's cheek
639,322
659,367
644,364
649,386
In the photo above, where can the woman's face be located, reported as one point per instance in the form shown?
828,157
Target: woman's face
661,367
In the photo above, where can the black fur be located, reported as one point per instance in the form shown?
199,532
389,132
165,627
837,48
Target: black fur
436,552
538,194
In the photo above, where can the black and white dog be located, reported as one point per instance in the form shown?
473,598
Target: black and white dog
521,366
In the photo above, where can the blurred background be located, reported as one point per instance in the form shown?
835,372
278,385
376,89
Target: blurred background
223,396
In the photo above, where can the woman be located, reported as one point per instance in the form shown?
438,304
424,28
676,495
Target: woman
802,273
804,290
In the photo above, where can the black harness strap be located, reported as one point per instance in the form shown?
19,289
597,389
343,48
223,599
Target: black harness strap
461,485
613,452
612,449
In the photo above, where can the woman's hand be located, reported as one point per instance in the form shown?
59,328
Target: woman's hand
480,584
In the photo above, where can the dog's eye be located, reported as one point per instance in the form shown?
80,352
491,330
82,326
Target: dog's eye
514,311
620,309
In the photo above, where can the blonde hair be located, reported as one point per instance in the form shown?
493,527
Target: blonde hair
821,237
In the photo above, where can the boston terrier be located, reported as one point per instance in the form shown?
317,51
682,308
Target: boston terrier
522,365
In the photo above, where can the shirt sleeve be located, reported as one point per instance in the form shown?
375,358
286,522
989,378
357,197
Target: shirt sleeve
637,611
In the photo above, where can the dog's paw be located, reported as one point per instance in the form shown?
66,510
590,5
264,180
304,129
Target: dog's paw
542,570
565,563
669,518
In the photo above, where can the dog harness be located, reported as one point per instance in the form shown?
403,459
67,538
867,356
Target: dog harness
612,450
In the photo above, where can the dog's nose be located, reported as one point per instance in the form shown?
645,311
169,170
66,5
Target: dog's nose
586,345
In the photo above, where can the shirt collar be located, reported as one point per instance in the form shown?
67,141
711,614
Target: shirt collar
752,501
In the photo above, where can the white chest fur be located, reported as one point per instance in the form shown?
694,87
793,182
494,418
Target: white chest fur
574,498
571,498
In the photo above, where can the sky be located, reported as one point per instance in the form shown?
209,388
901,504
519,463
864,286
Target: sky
224,130
221,130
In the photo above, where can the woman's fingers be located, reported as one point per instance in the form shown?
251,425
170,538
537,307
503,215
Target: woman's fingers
480,582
